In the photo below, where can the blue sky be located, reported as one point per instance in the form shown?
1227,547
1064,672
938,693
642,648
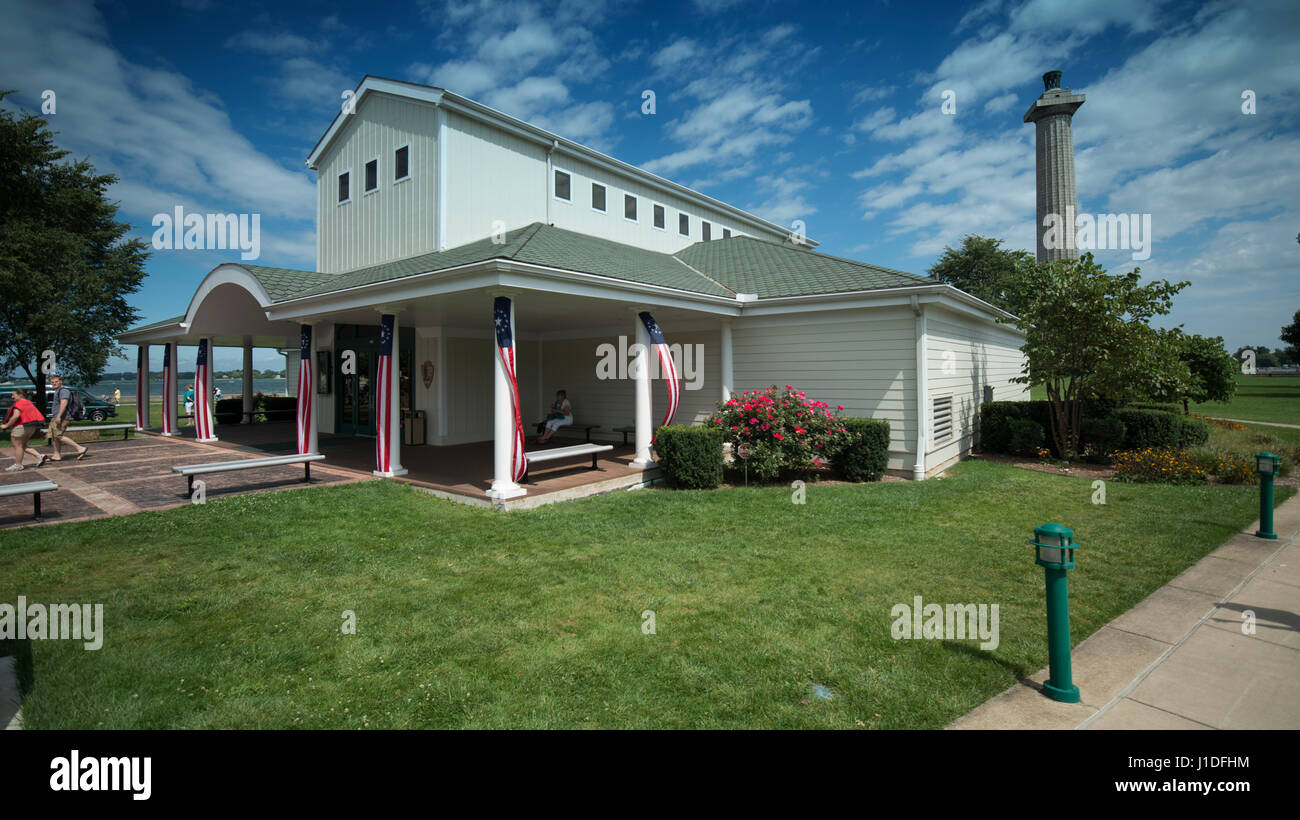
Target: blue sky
823,112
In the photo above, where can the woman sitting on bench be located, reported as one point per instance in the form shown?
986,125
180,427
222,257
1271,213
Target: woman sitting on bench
561,415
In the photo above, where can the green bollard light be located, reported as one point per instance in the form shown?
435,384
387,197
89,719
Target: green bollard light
1054,548
1266,464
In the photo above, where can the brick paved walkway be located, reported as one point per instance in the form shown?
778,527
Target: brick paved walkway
121,477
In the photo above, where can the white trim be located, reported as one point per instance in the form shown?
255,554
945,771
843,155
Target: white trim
407,146
704,223
604,188
662,207
368,191
636,206
555,169
935,443
681,214
337,177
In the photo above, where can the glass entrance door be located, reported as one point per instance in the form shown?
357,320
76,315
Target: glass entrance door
356,395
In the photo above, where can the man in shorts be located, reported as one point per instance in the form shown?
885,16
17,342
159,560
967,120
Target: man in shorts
60,398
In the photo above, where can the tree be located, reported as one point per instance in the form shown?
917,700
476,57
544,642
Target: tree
1291,335
65,270
983,269
1213,371
1088,335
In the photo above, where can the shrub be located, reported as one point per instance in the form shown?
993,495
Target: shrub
864,454
1025,438
1148,429
229,411
1160,407
995,418
783,429
1166,465
1192,432
690,457
1101,438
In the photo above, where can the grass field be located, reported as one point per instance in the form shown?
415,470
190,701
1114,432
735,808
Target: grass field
1258,398
229,614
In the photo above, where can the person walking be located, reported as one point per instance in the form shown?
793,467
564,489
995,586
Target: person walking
60,401
117,397
25,421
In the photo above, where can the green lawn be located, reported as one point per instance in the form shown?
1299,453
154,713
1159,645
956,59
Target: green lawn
228,614
1259,398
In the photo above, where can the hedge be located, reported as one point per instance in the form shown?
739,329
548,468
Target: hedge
995,434
1101,437
229,411
865,454
1156,428
690,457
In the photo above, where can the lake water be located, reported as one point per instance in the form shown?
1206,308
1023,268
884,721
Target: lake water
229,387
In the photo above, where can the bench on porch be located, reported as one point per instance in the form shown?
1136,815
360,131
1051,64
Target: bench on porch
625,430
191,470
125,428
557,453
33,487
575,427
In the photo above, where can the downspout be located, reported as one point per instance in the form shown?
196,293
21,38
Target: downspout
549,176
922,382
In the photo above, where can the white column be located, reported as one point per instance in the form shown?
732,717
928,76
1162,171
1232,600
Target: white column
641,373
247,418
728,377
313,432
395,401
503,422
922,389
142,388
207,388
169,390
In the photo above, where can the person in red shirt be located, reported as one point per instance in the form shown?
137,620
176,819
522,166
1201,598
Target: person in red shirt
25,421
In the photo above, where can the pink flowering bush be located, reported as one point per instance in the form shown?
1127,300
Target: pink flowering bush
782,429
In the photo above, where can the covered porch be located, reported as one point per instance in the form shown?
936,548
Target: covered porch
413,378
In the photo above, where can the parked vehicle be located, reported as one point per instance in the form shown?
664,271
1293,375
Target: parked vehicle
96,409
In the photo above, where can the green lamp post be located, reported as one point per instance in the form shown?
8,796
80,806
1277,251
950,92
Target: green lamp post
1266,464
1054,548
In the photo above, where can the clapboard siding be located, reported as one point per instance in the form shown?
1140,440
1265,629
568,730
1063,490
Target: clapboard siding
864,360
570,364
962,357
398,219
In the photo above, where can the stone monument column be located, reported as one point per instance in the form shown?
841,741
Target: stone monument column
1052,114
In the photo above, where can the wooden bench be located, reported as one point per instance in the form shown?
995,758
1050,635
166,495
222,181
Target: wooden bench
557,453
625,431
191,470
575,427
33,487
125,428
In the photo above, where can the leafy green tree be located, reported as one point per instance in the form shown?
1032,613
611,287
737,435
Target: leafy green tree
65,270
1213,372
1291,335
1088,335
982,268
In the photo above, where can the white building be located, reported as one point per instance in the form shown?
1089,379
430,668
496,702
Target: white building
430,205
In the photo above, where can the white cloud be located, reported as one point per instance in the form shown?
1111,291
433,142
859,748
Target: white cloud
144,123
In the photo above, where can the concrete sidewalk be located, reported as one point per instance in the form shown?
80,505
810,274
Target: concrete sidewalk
1180,659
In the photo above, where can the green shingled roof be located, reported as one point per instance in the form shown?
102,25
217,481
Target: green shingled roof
722,267
770,269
